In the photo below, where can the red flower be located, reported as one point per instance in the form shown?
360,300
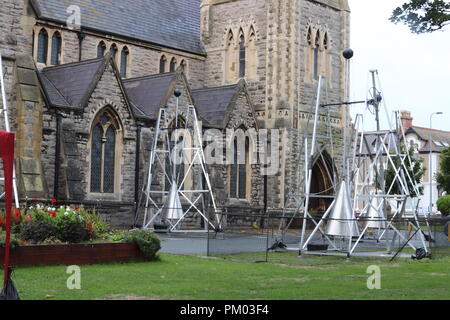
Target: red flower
34,197
54,201
53,214
18,214
76,208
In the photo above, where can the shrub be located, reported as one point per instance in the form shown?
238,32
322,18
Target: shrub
14,241
71,229
37,230
148,242
443,205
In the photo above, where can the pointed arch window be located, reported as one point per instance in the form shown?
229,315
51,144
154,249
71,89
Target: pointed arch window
252,57
183,65
113,50
240,172
230,58
103,153
162,64
42,46
309,37
101,49
242,56
56,49
316,56
173,65
124,62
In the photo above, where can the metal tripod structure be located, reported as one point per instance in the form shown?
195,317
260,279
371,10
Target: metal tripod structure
317,144
4,113
163,205
371,197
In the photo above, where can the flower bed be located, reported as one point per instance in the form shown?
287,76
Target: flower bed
45,235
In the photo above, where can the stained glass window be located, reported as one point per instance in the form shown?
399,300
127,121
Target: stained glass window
103,155
162,64
42,46
238,172
113,50
124,62
56,49
101,49
96,160
242,57
109,161
173,65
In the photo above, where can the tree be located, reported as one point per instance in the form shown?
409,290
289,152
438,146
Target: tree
423,16
415,169
443,176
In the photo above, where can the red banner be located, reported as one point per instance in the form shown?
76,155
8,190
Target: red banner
7,155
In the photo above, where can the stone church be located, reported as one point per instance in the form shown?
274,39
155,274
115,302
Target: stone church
85,80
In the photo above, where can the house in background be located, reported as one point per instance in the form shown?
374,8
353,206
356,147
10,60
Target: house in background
424,140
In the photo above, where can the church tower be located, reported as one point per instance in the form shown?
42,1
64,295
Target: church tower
280,47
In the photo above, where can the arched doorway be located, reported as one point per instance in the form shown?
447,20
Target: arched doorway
322,184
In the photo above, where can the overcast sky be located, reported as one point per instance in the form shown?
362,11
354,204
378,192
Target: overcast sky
414,70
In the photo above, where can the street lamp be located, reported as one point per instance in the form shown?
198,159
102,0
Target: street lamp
431,162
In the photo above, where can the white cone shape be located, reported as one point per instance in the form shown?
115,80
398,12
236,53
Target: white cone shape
342,222
172,208
374,216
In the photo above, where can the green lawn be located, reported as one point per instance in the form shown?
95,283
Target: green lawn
287,277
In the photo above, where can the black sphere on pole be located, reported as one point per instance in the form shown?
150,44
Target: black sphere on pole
348,53
177,93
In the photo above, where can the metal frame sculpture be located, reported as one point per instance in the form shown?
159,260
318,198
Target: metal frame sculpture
166,205
375,195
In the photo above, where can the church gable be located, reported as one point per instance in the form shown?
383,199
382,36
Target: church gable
97,134
226,106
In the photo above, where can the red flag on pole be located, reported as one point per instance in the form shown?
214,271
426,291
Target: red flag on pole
7,155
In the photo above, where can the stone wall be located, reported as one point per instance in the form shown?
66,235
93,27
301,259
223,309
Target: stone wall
281,90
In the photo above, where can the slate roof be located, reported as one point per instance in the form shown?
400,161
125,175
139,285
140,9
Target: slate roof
170,23
67,85
214,104
148,94
372,138
440,139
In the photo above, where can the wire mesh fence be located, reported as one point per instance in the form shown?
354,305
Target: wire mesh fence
260,237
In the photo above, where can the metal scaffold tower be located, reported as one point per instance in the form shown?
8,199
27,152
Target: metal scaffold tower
4,113
177,157
366,200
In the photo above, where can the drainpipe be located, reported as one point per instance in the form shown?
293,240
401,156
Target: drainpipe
81,36
137,167
59,116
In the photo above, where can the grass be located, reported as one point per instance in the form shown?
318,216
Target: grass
286,277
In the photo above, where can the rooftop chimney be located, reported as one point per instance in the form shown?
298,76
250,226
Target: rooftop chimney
407,120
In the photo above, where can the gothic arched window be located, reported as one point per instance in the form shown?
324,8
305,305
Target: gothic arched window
103,153
316,56
325,41
56,49
173,65
124,62
240,172
42,46
113,50
162,64
242,56
252,55
230,57
101,49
